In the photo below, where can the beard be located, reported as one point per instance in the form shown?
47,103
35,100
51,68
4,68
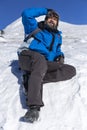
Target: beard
51,24
43,25
51,27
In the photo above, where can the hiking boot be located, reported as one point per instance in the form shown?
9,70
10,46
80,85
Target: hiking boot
31,115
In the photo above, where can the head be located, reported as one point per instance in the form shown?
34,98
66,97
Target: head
52,19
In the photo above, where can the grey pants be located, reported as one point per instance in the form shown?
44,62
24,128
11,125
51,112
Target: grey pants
42,71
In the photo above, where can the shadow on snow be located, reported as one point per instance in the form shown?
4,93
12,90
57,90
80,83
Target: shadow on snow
18,73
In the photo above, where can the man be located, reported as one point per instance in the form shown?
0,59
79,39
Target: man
43,53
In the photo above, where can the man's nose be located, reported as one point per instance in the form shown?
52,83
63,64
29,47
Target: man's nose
51,21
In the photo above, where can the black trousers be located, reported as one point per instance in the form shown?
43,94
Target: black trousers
41,71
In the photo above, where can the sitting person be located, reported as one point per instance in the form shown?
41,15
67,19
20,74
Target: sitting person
39,55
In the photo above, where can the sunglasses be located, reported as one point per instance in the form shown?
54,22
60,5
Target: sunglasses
52,14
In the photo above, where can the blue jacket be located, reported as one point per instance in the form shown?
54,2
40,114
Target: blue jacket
45,37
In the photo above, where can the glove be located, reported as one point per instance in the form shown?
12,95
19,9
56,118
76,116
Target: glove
50,10
52,13
60,59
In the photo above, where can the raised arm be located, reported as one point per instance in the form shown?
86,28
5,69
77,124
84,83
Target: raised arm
28,18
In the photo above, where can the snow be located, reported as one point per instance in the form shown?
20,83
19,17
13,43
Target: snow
65,102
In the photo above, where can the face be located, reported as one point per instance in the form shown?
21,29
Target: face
52,22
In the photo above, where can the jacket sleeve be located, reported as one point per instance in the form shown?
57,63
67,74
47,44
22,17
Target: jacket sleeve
28,18
59,52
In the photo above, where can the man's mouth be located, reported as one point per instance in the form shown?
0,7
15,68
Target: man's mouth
51,23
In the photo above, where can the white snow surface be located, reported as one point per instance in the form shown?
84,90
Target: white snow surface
65,102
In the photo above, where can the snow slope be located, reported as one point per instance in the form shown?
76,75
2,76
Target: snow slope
65,102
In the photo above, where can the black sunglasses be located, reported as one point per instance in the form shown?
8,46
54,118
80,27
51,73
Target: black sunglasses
52,14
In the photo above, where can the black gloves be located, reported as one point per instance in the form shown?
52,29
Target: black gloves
52,13
50,10
60,59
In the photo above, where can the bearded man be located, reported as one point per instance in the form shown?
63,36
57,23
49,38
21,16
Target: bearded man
42,51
